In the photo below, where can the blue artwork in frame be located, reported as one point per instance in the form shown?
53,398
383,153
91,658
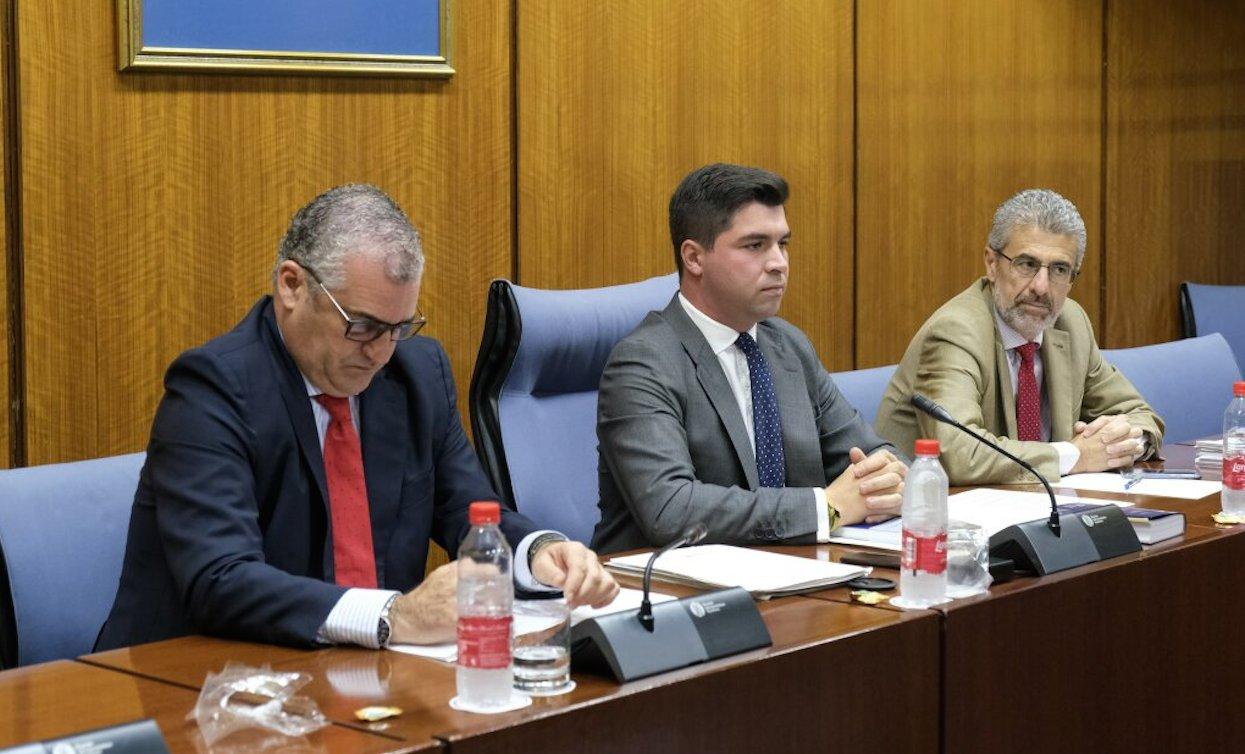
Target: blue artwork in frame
377,37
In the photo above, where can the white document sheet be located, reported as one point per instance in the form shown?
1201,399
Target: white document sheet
1187,489
627,599
764,574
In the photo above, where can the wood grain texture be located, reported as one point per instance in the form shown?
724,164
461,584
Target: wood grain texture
616,102
6,415
153,204
960,105
1175,160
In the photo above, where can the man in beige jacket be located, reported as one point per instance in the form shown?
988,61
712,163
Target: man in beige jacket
1012,358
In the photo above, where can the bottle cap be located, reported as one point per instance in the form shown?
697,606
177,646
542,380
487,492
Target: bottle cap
1238,388
927,448
484,512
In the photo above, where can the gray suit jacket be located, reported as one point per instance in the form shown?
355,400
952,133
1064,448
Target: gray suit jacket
674,448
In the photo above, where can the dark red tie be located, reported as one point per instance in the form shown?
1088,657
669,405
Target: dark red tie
353,559
1028,397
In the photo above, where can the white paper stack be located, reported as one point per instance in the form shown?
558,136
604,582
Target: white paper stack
764,574
1209,459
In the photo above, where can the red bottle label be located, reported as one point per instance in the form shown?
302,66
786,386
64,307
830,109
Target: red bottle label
484,642
1234,473
928,554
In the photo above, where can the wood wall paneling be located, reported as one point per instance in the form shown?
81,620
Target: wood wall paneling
5,161
153,204
616,102
961,104
1175,160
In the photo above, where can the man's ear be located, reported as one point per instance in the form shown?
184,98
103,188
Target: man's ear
692,254
992,261
290,284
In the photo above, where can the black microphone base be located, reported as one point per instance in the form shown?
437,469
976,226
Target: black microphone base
685,632
1088,537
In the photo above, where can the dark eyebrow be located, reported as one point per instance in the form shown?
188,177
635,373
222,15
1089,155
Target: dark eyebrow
762,237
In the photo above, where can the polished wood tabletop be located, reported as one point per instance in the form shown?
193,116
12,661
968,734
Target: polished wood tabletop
58,699
822,653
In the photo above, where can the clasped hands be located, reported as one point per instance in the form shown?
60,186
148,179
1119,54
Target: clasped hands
1108,442
870,489
428,613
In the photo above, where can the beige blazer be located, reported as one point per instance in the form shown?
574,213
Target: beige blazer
957,359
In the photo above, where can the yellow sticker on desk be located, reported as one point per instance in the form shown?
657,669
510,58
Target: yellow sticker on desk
376,714
1228,518
868,598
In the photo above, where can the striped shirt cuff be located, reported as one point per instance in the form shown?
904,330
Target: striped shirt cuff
355,618
523,577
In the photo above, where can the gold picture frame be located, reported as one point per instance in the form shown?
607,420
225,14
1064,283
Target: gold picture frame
134,55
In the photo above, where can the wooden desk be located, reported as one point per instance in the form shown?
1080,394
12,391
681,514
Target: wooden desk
1132,654
58,699
832,668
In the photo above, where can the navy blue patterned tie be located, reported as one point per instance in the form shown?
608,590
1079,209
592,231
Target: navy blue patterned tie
766,422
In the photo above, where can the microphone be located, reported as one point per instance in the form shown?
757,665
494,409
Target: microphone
941,414
691,536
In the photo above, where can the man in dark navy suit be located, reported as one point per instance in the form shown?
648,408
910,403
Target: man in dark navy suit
299,464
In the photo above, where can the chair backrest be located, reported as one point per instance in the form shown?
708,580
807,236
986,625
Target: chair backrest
534,393
1208,309
1187,382
62,538
863,388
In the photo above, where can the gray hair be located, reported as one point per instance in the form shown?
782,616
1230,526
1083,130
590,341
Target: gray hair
356,218
1042,209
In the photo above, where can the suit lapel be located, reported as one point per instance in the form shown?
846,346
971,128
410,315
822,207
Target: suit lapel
1007,393
298,407
713,381
794,406
1057,374
382,416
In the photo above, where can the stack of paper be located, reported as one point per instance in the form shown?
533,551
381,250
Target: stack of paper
1209,459
764,574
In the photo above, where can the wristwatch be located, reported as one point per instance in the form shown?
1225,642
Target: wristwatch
834,513
383,627
540,542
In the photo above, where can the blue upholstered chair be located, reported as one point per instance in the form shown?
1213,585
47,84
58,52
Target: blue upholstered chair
62,537
1188,382
863,388
1215,308
534,393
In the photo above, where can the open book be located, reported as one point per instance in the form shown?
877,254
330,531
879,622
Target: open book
764,574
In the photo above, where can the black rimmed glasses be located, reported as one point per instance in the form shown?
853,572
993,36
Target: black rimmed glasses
1025,266
366,329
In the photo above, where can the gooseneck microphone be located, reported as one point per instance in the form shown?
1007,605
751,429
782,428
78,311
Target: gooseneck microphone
941,414
691,536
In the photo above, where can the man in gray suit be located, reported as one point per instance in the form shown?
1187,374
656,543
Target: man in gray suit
716,411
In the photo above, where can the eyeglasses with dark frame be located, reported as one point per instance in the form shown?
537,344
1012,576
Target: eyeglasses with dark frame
1060,273
367,329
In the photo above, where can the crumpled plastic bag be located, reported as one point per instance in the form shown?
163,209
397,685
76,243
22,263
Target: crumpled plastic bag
241,697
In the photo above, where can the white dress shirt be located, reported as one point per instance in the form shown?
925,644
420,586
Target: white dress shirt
356,616
722,341
1068,453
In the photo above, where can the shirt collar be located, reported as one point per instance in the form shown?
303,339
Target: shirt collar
720,336
1011,338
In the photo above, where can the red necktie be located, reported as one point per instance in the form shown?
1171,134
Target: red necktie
353,558
1028,398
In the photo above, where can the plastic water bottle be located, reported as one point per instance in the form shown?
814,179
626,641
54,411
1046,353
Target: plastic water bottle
485,611
1233,496
923,560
